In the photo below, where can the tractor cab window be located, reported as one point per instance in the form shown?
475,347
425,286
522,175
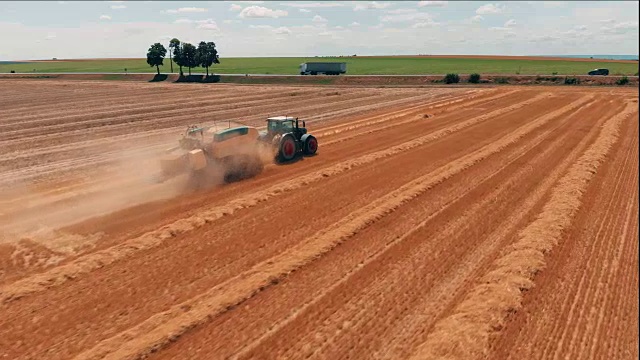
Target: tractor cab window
287,126
281,126
273,126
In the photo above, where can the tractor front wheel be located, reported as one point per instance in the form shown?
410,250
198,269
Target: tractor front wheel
287,149
310,145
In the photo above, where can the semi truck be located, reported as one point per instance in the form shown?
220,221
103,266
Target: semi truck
327,68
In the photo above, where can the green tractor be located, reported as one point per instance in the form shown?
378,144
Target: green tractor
287,138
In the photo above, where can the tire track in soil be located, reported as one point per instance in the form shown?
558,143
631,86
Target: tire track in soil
144,117
152,239
328,326
93,143
96,190
167,326
184,259
107,132
570,261
465,333
103,325
414,326
102,157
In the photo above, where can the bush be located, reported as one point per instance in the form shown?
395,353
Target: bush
474,78
502,80
636,74
451,79
623,81
571,81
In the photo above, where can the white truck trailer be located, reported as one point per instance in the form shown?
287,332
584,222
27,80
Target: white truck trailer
327,68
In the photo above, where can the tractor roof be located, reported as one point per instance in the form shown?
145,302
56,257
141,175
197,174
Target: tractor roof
282,118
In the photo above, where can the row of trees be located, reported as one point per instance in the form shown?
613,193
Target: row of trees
184,55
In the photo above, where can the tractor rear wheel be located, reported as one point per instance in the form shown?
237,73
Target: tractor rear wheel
310,145
287,148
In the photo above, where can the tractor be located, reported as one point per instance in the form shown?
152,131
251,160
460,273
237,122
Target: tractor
287,138
237,151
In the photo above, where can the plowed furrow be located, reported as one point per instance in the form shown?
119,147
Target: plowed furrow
487,304
139,115
160,328
539,336
117,103
356,184
146,122
155,238
406,259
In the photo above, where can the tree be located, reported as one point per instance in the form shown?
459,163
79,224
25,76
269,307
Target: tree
177,54
207,55
173,44
155,55
189,58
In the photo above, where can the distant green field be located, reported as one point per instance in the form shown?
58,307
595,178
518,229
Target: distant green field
355,66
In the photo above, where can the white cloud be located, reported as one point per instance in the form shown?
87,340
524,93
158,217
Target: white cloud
251,2
305,11
371,6
477,19
432,3
544,38
607,21
62,2
414,16
235,7
186,10
554,4
50,36
183,21
423,24
489,9
319,19
510,23
208,24
282,31
325,33
117,7
581,27
314,5
400,11
261,12
621,28
230,21
105,17
355,23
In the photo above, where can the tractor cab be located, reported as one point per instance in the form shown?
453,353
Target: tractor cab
279,125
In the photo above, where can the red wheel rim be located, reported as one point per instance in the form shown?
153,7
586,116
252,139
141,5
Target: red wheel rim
313,145
288,148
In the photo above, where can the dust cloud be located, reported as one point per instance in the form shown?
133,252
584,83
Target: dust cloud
36,212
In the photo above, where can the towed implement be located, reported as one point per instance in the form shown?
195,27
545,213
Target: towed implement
237,151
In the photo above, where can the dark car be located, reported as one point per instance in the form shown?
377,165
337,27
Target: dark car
599,72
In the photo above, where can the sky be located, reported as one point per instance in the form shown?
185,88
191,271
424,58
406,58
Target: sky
110,29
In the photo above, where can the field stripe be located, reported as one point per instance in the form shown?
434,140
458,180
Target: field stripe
464,334
371,263
152,239
451,284
167,326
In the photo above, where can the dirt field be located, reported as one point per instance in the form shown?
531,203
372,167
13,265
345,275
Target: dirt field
433,223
